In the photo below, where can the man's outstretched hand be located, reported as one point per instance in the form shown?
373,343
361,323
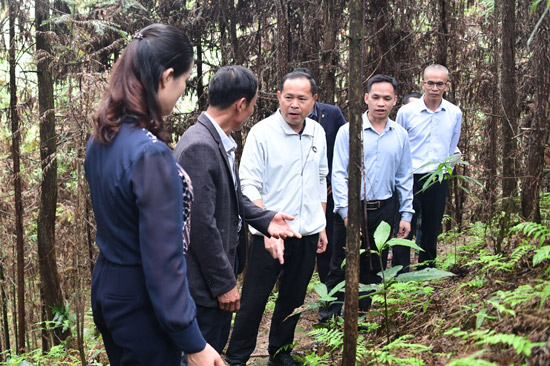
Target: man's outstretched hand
279,227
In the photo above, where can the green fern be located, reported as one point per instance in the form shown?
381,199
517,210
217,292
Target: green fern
541,255
333,338
524,294
472,361
521,345
390,353
533,230
518,253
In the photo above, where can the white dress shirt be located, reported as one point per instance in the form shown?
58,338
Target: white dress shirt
287,171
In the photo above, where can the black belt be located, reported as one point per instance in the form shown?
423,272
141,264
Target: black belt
375,205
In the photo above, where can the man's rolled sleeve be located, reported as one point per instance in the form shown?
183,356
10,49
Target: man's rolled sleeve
340,171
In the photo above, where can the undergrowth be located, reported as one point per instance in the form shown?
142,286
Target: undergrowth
494,312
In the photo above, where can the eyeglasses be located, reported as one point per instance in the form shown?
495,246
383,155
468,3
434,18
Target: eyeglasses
439,84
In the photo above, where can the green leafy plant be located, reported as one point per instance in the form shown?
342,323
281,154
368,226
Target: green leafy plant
533,230
472,360
399,352
445,170
390,275
538,232
522,345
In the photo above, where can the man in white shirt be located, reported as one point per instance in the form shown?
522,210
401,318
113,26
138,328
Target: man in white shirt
283,167
433,125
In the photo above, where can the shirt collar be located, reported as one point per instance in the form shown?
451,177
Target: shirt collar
368,124
309,128
442,105
228,142
313,114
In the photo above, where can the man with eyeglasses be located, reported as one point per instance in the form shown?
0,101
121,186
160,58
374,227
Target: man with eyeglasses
433,125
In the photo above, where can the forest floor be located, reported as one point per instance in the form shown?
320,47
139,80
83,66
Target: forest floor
494,311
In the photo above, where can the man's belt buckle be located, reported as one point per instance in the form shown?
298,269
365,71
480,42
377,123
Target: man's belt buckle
373,205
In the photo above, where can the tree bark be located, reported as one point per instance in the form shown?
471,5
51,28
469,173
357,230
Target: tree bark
509,100
48,195
443,34
16,152
283,31
354,183
332,14
538,133
4,312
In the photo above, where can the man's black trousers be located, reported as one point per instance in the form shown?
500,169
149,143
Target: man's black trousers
431,203
369,266
261,275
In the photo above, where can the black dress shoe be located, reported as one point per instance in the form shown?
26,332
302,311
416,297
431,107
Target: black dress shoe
283,359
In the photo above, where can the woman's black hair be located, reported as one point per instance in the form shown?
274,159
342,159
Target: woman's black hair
134,83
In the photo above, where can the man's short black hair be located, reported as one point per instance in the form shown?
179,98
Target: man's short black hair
299,75
379,78
411,95
231,83
305,70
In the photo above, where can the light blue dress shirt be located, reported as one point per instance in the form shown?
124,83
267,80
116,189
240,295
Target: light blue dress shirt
433,135
387,160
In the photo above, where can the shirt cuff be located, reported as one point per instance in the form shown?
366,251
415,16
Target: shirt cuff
343,212
190,339
406,216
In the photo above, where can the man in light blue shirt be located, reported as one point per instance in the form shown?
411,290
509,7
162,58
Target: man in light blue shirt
386,169
433,125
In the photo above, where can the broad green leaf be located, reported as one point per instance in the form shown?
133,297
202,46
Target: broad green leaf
426,274
390,273
381,235
404,242
321,289
369,287
337,288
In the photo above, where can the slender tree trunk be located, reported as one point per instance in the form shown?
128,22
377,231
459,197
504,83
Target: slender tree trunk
538,133
332,14
443,35
201,96
354,183
492,126
5,324
48,195
509,101
283,31
16,151
14,314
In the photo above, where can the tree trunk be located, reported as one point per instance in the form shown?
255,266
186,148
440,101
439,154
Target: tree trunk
201,96
4,312
48,195
332,14
16,151
283,31
538,133
354,184
443,33
492,126
509,101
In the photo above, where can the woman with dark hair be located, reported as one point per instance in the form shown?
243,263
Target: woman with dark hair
141,199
